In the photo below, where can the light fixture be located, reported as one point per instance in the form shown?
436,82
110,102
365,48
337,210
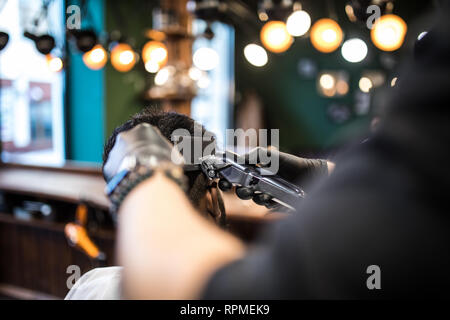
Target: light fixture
156,52
256,55
85,40
151,66
164,74
204,81
298,23
4,38
326,35
327,81
354,50
394,81
195,73
44,43
206,58
123,58
388,33
365,84
275,36
54,64
421,35
96,58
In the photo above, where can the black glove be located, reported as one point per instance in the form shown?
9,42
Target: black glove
292,168
134,157
143,145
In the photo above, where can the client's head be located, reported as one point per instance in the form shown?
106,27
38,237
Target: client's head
167,123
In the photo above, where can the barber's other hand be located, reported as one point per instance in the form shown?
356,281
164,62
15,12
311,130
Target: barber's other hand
292,168
143,144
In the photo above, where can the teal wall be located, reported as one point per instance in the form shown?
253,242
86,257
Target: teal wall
86,100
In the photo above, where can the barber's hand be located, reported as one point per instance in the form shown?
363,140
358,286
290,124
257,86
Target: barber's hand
292,168
143,144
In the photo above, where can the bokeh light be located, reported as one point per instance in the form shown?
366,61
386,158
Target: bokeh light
354,50
123,58
388,33
326,35
275,36
256,55
298,23
206,58
95,58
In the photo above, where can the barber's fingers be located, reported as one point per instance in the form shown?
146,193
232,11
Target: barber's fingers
261,198
225,185
244,193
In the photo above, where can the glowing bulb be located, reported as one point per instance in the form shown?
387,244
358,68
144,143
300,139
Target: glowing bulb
155,51
326,35
123,57
394,82
204,82
195,73
298,23
354,50
389,32
275,36
96,58
327,81
163,75
151,66
421,35
256,55
206,59
365,84
342,87
54,64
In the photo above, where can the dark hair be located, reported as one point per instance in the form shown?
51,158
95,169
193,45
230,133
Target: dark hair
166,122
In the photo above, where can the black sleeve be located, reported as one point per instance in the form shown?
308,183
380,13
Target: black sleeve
386,204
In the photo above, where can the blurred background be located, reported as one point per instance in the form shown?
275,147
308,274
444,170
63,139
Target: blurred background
71,71
106,60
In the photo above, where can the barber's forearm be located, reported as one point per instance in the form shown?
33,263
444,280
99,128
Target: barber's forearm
167,249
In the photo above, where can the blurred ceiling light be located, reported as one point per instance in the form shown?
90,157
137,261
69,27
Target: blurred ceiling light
275,36
55,64
163,75
123,58
256,55
342,87
195,73
204,82
388,33
421,35
354,50
326,35
96,58
298,23
327,81
151,66
394,81
365,84
155,51
206,58
263,16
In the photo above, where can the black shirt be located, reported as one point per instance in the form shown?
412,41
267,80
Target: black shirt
386,204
